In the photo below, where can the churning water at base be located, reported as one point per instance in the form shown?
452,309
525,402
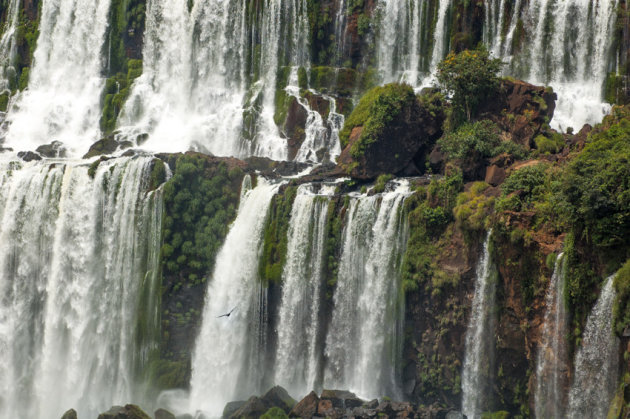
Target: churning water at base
552,366
65,84
596,362
365,336
479,338
77,254
227,358
298,357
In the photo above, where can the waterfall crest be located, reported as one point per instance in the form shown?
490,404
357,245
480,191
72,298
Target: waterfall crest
479,337
76,254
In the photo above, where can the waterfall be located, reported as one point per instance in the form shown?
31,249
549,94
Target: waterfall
62,100
228,353
75,253
298,358
8,48
441,34
596,361
551,361
479,337
365,335
204,68
573,59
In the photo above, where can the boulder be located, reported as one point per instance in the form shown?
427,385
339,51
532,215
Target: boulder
70,414
305,408
255,407
55,149
29,156
342,399
232,407
495,175
278,397
520,111
388,129
163,414
103,146
130,411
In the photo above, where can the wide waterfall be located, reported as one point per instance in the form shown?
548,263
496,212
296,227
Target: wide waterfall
62,100
227,359
479,338
77,256
551,361
596,361
365,335
197,81
573,58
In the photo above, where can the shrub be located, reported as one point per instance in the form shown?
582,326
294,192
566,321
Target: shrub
548,145
621,309
529,182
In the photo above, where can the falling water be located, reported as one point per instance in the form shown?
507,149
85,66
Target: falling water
62,100
75,254
596,361
479,337
441,34
364,338
298,357
8,48
573,59
551,369
227,356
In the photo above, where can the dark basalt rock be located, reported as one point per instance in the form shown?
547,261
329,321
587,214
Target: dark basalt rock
163,414
55,149
70,414
130,411
305,408
103,146
278,397
29,156
232,407
255,407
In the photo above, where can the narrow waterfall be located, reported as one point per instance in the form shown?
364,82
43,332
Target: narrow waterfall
479,337
596,361
440,46
365,335
8,47
62,100
227,356
298,357
204,68
552,362
76,255
573,59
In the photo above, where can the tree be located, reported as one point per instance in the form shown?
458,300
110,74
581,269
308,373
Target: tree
469,78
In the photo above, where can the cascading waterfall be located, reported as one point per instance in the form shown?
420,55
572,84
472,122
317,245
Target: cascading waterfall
479,337
298,358
62,100
552,362
596,361
198,68
76,253
365,335
573,59
440,47
8,48
227,356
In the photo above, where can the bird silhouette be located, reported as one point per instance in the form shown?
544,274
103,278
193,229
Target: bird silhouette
227,314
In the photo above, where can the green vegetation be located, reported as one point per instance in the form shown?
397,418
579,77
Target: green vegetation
473,208
621,309
473,142
381,181
377,109
4,102
165,374
117,89
523,187
275,413
274,250
549,145
470,77
200,202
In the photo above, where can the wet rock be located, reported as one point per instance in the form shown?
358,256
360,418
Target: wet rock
342,399
232,407
255,407
70,414
55,149
130,411
163,414
305,408
278,397
293,128
5,149
103,146
272,167
29,156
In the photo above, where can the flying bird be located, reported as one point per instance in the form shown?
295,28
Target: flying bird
227,314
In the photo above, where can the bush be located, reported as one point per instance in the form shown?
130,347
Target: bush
469,77
529,182
548,145
621,309
473,208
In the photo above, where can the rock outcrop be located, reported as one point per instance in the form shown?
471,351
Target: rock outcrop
129,411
